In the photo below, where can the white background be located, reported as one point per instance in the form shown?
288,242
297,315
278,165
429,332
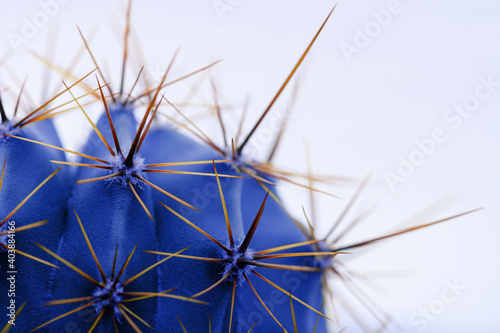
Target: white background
358,115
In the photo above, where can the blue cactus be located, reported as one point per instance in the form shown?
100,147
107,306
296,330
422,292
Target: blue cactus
151,230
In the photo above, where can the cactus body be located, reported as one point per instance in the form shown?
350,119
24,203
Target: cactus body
28,165
277,229
174,235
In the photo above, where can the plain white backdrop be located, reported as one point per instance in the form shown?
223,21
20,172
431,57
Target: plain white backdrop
382,76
